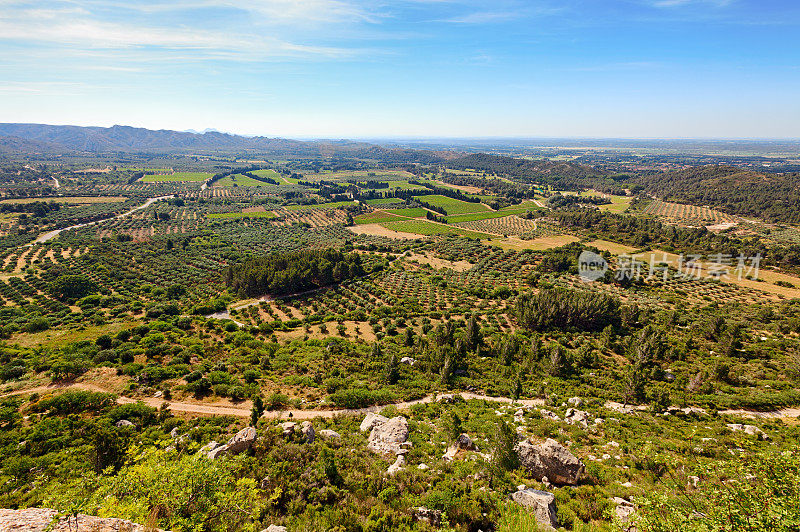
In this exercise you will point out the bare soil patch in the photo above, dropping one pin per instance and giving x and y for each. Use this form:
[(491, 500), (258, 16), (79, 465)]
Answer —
[(379, 230)]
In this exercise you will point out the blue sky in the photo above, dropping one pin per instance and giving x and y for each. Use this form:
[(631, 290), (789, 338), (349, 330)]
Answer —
[(420, 68)]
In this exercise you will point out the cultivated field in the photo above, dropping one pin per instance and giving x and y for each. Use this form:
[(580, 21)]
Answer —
[(691, 215), (451, 205), (176, 177)]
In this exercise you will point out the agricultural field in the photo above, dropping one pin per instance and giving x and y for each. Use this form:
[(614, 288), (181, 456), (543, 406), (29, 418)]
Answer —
[(689, 214), (196, 314), (453, 206), (229, 215), (421, 227), (240, 180), (75, 200), (176, 177)]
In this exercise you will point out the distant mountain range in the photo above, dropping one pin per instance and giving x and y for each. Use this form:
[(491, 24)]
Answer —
[(50, 139)]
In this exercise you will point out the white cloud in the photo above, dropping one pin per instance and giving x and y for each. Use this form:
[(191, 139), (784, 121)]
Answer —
[(74, 28), (679, 3), (484, 17)]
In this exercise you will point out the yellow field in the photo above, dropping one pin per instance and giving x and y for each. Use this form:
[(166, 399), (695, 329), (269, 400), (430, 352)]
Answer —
[(539, 244), (612, 247)]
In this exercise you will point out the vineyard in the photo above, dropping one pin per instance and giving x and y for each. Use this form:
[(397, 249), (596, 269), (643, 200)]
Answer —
[(690, 215)]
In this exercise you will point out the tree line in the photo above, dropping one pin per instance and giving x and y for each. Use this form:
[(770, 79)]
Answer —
[(292, 272)]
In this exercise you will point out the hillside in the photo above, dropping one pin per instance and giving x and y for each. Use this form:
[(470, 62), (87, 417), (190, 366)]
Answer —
[(16, 138), (563, 175), (773, 197)]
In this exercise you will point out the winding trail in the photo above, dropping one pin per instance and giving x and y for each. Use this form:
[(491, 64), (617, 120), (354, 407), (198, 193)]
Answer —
[(52, 234), (244, 409)]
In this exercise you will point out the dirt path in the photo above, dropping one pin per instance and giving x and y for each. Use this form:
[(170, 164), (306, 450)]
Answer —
[(52, 234), (244, 409)]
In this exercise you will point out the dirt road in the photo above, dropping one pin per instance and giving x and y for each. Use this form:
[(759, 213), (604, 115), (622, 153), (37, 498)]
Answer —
[(243, 410)]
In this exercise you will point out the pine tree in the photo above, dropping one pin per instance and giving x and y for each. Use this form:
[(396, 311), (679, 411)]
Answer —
[(257, 411)]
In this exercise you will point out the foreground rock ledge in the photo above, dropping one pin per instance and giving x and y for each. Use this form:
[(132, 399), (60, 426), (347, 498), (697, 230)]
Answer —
[(40, 519)]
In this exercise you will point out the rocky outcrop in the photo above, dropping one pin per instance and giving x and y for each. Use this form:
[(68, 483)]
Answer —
[(307, 430), (752, 430), (329, 434), (288, 427), (274, 528), (240, 442), (389, 437), (462, 443), (207, 448), (623, 512), (40, 519), (428, 515), (124, 423), (577, 417), (371, 421), (398, 464), (550, 459), (541, 503)]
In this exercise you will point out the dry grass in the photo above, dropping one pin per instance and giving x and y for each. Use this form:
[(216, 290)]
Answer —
[(379, 230), (364, 331), (538, 244), (57, 337), (612, 247), (437, 263)]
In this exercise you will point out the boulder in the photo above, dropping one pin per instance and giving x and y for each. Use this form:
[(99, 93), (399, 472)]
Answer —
[(275, 528), (398, 464), (124, 423), (288, 427), (577, 417), (307, 429), (427, 515), (408, 361), (371, 421), (241, 441), (623, 511), (542, 504), (207, 448), (575, 401), (40, 519), (620, 408), (388, 437), (752, 430), (462, 443), (329, 434), (174, 433), (550, 415), (550, 459)]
